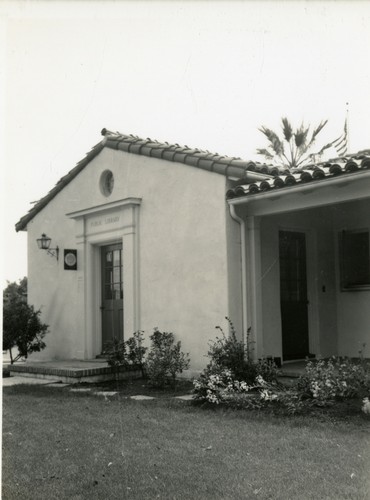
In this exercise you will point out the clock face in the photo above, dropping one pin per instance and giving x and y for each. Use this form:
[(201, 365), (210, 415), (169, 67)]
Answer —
[(70, 259)]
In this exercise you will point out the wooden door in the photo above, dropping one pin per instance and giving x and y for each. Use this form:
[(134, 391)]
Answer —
[(112, 294), (293, 294)]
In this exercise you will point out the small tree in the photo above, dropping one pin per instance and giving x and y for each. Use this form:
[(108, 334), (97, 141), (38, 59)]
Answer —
[(293, 150), (22, 327)]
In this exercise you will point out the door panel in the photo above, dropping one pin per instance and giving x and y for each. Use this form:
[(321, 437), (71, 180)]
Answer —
[(112, 294), (293, 294)]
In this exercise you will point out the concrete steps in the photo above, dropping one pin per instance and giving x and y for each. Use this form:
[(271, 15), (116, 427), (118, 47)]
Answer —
[(72, 372)]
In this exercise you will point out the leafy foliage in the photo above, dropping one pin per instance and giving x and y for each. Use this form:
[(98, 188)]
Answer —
[(22, 326), (128, 353), (335, 378), (16, 291), (163, 362), (292, 151), (232, 375), (116, 351), (165, 359), (323, 383), (227, 352)]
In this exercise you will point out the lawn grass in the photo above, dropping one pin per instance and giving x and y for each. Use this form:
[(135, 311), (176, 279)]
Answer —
[(142, 386), (66, 445)]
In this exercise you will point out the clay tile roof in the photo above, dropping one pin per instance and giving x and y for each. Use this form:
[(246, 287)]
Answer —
[(253, 178), (358, 162), (228, 166), (205, 160)]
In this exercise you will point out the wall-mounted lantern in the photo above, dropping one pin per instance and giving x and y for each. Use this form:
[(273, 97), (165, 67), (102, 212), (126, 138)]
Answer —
[(44, 244)]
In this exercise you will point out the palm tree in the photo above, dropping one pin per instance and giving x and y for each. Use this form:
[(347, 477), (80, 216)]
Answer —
[(292, 151)]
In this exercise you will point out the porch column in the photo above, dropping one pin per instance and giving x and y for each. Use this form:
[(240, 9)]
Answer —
[(254, 284)]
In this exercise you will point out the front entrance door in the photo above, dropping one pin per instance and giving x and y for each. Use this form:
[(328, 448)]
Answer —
[(112, 294), (293, 294)]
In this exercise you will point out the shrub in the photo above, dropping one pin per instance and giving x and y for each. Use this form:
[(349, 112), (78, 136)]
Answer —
[(165, 359), (135, 349), (116, 351), (22, 326), (128, 353)]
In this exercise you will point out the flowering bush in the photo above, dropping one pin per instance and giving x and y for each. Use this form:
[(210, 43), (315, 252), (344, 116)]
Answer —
[(335, 378), (227, 352), (366, 406), (324, 382), (216, 386), (223, 388), (232, 376)]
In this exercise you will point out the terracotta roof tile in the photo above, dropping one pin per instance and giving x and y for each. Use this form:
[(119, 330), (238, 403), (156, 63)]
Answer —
[(359, 162)]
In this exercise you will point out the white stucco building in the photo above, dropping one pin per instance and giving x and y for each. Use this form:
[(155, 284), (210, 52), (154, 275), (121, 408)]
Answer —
[(158, 235)]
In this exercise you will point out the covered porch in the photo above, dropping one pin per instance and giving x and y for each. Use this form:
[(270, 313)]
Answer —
[(306, 268)]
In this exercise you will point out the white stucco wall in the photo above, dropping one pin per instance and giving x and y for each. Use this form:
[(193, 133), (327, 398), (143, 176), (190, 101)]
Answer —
[(55, 291), (353, 307), (182, 254)]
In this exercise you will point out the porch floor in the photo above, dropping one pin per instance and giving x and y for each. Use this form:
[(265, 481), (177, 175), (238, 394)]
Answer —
[(70, 371)]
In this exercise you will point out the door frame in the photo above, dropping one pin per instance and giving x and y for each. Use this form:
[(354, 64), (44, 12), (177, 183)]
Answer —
[(114, 222), (94, 293), (312, 295)]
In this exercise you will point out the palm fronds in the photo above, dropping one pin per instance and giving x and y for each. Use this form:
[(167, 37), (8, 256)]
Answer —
[(276, 144), (287, 129), (300, 136), (317, 130), (266, 153), (296, 144)]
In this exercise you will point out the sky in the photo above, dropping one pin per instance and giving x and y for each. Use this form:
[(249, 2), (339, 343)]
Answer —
[(205, 74)]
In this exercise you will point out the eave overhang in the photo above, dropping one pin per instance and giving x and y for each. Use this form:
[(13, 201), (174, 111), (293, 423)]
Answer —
[(355, 186)]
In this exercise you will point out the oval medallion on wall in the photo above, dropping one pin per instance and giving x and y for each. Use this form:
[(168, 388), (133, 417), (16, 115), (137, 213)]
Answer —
[(106, 182), (70, 260)]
